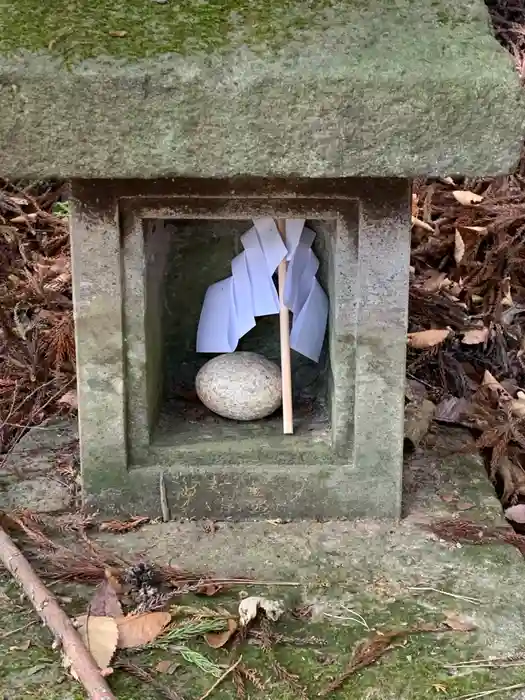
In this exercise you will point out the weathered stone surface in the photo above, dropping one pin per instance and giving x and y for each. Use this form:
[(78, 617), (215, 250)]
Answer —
[(327, 89), (346, 464), (240, 386), (41, 494)]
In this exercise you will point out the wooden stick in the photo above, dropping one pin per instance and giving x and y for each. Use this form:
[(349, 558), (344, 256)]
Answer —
[(47, 607), (284, 328), (220, 680)]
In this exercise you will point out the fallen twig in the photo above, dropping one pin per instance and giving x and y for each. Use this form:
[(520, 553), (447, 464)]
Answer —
[(18, 629), (229, 670), (486, 693), (47, 607), (438, 590)]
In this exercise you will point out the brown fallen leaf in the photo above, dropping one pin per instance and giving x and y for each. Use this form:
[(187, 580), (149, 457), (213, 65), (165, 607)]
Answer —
[(434, 281), (100, 635), (476, 229), (105, 602), (216, 640), (452, 410), (459, 247), (120, 33), (137, 630), (449, 497), (422, 224), (112, 577), (516, 513), (463, 505), (517, 405), (498, 392), (458, 622), (167, 666), (23, 218), (476, 336), (466, 197), (427, 339), (506, 296), (414, 204), (69, 399)]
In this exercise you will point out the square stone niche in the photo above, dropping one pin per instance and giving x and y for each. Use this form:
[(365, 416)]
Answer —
[(144, 254)]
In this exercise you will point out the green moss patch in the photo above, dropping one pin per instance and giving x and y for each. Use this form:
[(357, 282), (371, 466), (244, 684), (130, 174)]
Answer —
[(131, 29)]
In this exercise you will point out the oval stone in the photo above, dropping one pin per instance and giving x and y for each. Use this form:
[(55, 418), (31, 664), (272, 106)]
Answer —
[(240, 385)]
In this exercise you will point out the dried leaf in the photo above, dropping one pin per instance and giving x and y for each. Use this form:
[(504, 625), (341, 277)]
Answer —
[(495, 388), (449, 497), (459, 623), (105, 602), (100, 635), (23, 218), (414, 204), (463, 505), (166, 666), (216, 640), (19, 201), (517, 406), (475, 336), (422, 224), (427, 339), (477, 229), (69, 399), (452, 410), (118, 33), (506, 299), (137, 630), (459, 247), (516, 513), (249, 607), (466, 197), (434, 281)]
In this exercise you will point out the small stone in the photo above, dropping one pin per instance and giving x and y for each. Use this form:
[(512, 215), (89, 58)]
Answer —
[(41, 495), (240, 386)]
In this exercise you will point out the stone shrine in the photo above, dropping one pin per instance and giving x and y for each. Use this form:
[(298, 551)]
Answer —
[(179, 123)]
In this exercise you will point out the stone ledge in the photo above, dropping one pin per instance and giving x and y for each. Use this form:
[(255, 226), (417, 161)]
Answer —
[(329, 103)]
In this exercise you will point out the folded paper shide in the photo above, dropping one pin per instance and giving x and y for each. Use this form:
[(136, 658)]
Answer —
[(231, 305)]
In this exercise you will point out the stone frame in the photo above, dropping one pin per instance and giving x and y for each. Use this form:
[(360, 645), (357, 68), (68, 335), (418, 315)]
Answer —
[(121, 473)]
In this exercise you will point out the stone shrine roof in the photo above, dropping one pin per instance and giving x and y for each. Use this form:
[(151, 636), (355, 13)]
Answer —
[(217, 88)]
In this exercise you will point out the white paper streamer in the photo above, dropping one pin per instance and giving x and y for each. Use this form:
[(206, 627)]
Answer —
[(231, 305)]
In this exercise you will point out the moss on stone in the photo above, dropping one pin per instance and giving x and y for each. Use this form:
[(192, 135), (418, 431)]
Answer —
[(87, 28)]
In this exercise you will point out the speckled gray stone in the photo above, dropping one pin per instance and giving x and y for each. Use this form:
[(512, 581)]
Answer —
[(240, 386), (322, 89), (42, 494)]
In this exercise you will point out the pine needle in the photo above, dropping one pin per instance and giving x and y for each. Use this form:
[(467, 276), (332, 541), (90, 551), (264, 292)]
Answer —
[(189, 630), (199, 660)]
